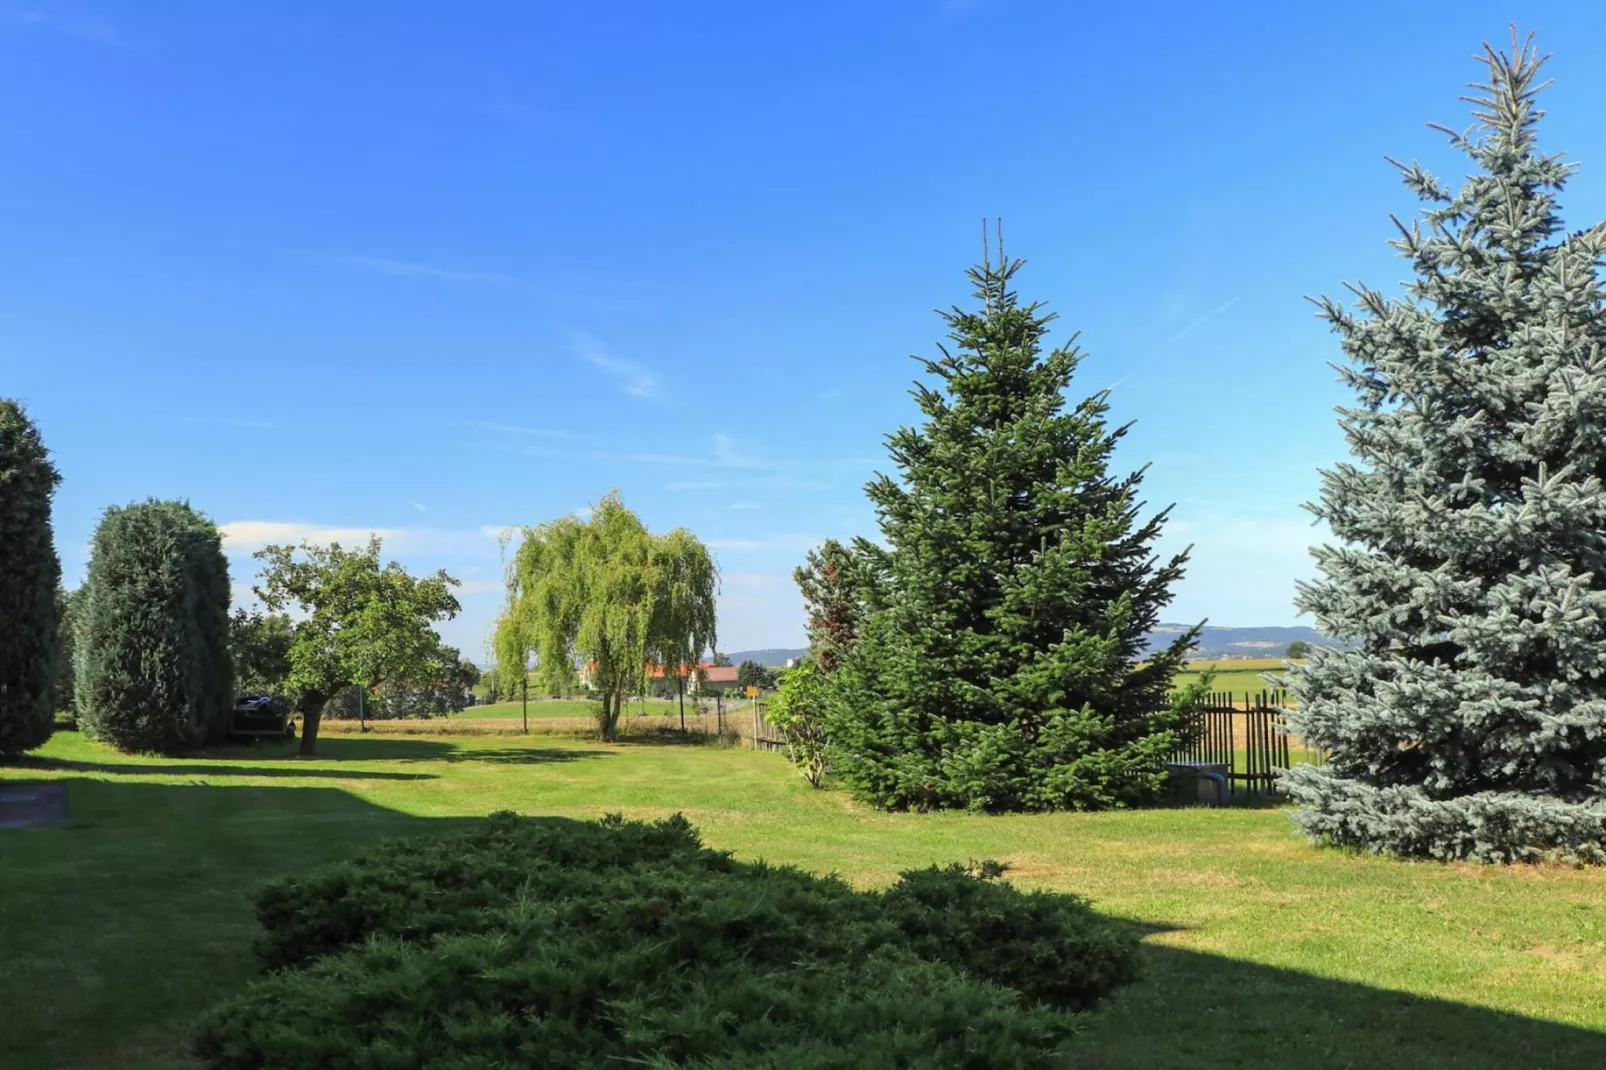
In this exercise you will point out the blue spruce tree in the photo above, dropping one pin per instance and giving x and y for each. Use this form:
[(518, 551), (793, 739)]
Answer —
[(1469, 718), (1003, 664)]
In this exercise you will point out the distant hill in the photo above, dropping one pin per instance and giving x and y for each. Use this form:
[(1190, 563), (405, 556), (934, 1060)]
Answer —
[(1213, 643), (772, 657), (1240, 642)]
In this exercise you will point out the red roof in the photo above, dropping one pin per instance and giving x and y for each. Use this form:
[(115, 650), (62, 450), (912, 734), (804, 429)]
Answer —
[(657, 672), (720, 674)]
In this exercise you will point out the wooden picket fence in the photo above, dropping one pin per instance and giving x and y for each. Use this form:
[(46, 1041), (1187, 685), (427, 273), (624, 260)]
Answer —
[(1250, 736)]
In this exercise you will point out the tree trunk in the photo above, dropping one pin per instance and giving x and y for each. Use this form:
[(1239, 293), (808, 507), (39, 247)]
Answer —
[(680, 683), (609, 721), (311, 717)]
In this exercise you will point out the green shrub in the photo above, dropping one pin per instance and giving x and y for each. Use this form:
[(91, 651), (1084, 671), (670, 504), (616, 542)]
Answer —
[(564, 944), (29, 575), (799, 713), (152, 644)]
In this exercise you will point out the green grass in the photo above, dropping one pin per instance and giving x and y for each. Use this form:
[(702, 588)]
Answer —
[(573, 708), (1241, 678), (1263, 951)]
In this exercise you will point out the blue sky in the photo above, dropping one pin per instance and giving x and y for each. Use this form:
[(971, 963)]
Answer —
[(431, 270)]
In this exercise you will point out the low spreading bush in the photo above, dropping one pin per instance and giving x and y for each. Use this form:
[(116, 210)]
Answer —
[(550, 943)]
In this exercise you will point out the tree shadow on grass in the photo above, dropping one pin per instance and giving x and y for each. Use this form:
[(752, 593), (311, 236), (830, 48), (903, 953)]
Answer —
[(272, 768), (1194, 1009), (139, 914), (527, 755), (667, 737)]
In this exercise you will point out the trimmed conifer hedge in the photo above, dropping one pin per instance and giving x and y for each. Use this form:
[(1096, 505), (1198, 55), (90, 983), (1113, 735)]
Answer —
[(29, 575), (555, 943), (153, 671)]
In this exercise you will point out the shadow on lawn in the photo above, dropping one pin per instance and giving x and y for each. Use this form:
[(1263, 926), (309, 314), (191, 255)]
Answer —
[(1195, 1009), (343, 748), (140, 914), (202, 767)]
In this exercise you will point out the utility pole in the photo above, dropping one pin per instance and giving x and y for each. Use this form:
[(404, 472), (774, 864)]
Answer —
[(524, 695), (681, 685)]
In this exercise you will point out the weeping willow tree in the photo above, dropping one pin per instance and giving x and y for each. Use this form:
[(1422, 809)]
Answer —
[(606, 593)]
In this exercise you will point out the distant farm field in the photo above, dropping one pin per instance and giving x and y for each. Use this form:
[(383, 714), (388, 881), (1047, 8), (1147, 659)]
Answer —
[(1242, 678)]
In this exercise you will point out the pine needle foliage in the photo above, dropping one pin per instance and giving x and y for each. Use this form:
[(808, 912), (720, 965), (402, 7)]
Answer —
[(608, 594), (830, 584), (1005, 667), (1468, 720), (29, 576), (153, 671)]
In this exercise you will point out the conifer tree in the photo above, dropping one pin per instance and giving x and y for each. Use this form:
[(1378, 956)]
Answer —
[(152, 646), (830, 588), (1468, 718), (29, 575), (1004, 665)]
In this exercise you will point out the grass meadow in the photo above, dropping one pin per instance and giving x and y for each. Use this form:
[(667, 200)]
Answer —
[(1262, 951)]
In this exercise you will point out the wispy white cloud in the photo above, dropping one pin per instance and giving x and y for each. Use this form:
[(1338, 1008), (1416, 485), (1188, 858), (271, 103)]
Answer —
[(86, 27), (1200, 321), (245, 536), (407, 269), (421, 507), (633, 377), (744, 505), (726, 454), (655, 458), (248, 536), (742, 582), (694, 484)]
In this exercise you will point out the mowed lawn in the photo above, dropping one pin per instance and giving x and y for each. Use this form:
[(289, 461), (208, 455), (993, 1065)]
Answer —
[(575, 708), (117, 930)]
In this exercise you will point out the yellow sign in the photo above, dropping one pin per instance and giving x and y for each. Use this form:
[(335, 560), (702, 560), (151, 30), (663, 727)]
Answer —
[(753, 691)]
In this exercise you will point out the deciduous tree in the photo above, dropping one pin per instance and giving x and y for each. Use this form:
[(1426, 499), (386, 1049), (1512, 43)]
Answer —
[(361, 623), (606, 592), (800, 713), (261, 643)]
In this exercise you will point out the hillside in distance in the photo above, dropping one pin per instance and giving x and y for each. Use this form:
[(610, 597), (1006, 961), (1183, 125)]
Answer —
[(1267, 642), (771, 656)]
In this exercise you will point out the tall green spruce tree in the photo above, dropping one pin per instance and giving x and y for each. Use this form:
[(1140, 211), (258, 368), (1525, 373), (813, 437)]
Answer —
[(1003, 667), (154, 671), (1468, 720), (29, 575)]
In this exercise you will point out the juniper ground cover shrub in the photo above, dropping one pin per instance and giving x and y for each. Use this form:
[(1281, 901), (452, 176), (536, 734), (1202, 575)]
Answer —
[(561, 944)]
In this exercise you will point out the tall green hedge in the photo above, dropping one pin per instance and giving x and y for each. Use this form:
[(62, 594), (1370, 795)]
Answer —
[(29, 574), (152, 652)]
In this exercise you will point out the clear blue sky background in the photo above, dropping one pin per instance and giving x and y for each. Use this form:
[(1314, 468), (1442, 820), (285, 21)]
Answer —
[(434, 269)]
